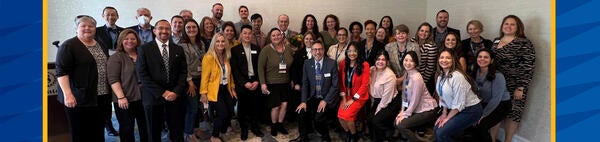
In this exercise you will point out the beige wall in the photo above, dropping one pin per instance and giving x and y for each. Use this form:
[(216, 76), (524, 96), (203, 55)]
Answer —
[(535, 14)]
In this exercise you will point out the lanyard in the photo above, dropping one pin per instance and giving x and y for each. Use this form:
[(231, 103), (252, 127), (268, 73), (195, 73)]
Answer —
[(280, 54), (401, 54), (337, 52), (440, 86), (349, 76)]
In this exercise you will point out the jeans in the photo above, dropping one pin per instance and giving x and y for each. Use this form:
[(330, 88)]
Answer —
[(191, 111), (461, 121)]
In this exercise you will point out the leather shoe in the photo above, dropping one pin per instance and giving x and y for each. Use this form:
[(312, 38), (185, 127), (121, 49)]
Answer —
[(300, 139), (257, 132)]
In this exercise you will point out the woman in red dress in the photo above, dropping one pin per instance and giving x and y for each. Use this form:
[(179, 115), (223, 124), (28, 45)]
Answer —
[(354, 89)]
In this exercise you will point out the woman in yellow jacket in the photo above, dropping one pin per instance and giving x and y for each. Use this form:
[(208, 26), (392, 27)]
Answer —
[(217, 85)]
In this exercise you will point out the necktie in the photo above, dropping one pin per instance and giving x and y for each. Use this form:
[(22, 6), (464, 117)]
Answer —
[(165, 56), (284, 36), (318, 80)]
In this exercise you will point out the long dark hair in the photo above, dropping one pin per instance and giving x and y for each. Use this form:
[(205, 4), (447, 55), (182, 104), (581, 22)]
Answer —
[(413, 55), (454, 67), (389, 30), (491, 73), (359, 59), (458, 49), (304, 29)]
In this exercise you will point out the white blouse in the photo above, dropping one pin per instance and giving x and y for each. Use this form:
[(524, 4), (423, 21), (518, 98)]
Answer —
[(455, 92)]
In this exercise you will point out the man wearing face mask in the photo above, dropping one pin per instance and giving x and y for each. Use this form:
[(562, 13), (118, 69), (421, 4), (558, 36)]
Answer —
[(144, 29), (217, 11)]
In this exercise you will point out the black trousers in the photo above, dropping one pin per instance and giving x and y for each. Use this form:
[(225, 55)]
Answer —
[(85, 123), (105, 105), (481, 130), (174, 117), (222, 110), (382, 123), (249, 107), (127, 119), (321, 119)]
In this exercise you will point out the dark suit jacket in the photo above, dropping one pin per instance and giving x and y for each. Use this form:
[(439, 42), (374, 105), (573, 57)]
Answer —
[(103, 35), (377, 46), (329, 88), (151, 72), (239, 64), (297, 65), (74, 59)]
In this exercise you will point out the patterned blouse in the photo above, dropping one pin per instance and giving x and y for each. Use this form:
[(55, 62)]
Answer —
[(101, 60)]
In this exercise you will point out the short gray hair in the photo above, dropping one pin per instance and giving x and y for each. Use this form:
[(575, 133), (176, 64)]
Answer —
[(84, 18)]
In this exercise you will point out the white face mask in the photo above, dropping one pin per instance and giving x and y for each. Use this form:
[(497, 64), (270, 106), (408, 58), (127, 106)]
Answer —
[(143, 20)]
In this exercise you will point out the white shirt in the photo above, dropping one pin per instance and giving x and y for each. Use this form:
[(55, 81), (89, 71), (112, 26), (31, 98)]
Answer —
[(160, 46), (455, 92), (248, 52)]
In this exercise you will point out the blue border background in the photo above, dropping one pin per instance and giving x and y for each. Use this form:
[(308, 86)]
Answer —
[(577, 82), (21, 70), (576, 51)]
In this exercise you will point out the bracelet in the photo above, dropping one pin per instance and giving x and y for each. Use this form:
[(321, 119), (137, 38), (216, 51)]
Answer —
[(121, 98)]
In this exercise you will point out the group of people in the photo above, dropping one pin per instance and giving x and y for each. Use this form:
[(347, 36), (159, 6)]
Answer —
[(334, 79)]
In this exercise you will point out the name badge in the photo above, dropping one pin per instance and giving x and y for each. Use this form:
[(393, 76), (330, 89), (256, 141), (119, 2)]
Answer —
[(282, 68), (327, 75), (253, 52), (199, 68), (405, 104)]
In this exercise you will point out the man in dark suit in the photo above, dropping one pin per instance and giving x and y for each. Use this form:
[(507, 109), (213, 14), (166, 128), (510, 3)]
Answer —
[(244, 66), (319, 94), (107, 35), (162, 69), (143, 28), (442, 29)]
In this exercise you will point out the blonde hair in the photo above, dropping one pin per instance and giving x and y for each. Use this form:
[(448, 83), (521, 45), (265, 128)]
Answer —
[(213, 52)]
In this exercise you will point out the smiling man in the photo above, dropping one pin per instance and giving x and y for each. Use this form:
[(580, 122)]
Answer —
[(162, 69), (442, 29)]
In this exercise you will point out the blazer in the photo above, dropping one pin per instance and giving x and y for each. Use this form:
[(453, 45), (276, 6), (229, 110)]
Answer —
[(329, 88), (377, 46), (74, 59), (151, 71), (211, 77), (395, 61), (239, 64), (297, 65), (103, 35), (360, 84)]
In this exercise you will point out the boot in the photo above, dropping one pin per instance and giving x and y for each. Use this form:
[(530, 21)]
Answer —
[(282, 129), (274, 129)]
